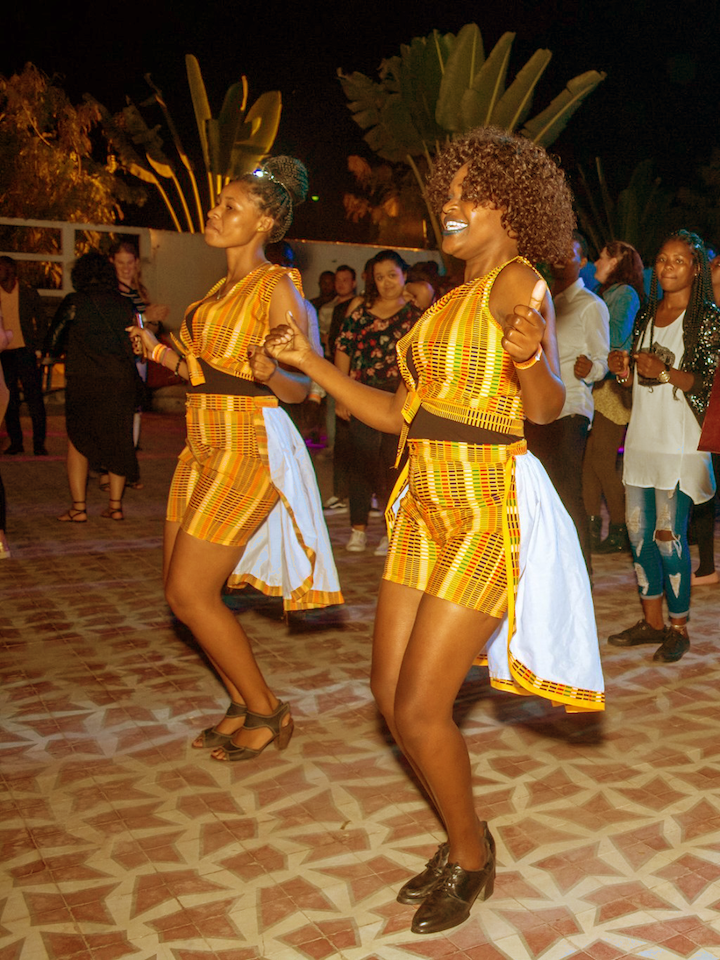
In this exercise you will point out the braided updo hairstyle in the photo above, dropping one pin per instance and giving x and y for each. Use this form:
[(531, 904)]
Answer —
[(278, 185)]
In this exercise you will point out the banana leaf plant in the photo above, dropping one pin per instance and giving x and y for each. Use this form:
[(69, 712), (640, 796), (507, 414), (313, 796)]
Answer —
[(444, 85), (235, 143), (638, 215), (232, 144)]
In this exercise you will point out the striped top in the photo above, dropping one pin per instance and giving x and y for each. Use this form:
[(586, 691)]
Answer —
[(220, 331), (454, 366)]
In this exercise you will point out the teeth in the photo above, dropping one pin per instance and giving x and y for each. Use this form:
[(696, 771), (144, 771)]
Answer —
[(453, 226)]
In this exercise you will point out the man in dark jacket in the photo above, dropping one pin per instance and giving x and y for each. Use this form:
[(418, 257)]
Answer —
[(23, 313)]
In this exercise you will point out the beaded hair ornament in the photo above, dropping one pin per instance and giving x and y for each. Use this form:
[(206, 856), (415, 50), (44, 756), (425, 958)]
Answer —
[(262, 173)]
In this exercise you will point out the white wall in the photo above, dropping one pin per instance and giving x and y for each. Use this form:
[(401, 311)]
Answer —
[(179, 268), (183, 268)]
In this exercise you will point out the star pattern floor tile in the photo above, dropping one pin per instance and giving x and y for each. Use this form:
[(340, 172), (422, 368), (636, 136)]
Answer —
[(118, 840)]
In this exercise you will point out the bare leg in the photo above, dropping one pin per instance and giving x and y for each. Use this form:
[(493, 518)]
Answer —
[(117, 486), (77, 471), (653, 612), (77, 468), (227, 724), (441, 645), (195, 577), (396, 611)]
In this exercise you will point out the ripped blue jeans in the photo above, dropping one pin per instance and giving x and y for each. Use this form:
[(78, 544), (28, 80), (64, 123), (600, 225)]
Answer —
[(661, 566)]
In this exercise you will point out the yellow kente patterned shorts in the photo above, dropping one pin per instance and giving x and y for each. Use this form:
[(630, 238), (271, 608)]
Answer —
[(221, 490), (448, 537)]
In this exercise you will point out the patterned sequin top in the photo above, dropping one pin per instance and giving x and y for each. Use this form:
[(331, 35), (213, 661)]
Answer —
[(701, 356), (454, 366)]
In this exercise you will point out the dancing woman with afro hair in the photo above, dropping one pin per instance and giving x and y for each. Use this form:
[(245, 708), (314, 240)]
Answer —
[(482, 556)]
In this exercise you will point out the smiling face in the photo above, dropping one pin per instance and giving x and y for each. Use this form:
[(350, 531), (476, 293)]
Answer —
[(389, 279), (468, 228), (237, 219), (604, 266), (126, 267), (675, 267)]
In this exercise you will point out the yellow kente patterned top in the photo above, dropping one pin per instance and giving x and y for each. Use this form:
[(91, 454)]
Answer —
[(220, 331), (462, 371)]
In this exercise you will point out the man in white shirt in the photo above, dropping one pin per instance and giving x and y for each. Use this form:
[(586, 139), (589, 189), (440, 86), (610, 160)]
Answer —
[(583, 336)]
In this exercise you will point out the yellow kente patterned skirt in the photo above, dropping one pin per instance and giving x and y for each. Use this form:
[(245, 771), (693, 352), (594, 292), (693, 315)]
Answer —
[(221, 490), (453, 525)]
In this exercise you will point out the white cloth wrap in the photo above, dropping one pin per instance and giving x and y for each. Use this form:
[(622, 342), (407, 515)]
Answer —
[(556, 635), (273, 554)]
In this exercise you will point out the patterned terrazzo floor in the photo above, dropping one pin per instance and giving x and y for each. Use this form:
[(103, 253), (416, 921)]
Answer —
[(118, 840)]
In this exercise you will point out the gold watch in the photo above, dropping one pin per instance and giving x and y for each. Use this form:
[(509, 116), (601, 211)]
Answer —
[(664, 376)]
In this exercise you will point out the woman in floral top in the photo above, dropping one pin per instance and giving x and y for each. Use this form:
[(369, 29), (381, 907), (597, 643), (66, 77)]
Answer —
[(365, 351)]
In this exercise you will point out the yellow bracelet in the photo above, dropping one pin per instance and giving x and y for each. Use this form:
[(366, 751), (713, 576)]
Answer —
[(526, 364), (158, 353)]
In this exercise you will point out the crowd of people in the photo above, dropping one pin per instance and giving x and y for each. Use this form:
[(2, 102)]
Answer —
[(485, 418)]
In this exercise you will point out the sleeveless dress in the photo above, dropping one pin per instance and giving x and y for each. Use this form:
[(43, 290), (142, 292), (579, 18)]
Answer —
[(480, 524), (245, 476)]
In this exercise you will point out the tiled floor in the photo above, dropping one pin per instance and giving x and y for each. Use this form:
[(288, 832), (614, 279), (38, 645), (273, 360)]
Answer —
[(119, 840)]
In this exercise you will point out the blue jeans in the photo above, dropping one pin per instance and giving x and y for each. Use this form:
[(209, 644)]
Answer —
[(661, 566)]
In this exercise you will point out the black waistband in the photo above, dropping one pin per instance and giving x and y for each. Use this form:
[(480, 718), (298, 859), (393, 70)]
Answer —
[(216, 381), (429, 426)]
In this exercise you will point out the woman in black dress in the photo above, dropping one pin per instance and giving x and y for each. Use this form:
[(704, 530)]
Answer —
[(102, 383)]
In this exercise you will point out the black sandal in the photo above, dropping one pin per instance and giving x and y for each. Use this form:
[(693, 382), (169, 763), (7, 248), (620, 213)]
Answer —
[(75, 514), (253, 721), (212, 737), (113, 513)]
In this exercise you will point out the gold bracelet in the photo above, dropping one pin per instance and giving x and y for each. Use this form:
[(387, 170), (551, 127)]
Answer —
[(526, 364), (622, 380)]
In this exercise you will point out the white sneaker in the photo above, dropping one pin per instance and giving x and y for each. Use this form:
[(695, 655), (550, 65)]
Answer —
[(382, 548), (334, 505), (357, 541)]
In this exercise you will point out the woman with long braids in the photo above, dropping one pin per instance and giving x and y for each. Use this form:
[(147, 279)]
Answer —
[(675, 350), (482, 556), (619, 271), (243, 502)]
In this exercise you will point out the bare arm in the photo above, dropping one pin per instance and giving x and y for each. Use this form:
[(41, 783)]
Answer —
[(284, 383), (5, 338), (377, 408), (526, 329), (649, 365), (342, 362)]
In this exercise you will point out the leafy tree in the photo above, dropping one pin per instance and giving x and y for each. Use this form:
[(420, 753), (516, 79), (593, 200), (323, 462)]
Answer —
[(640, 214), (50, 165), (385, 197), (232, 144), (697, 205), (442, 85)]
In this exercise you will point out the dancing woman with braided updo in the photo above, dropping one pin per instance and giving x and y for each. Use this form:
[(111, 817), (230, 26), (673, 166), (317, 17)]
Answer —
[(243, 504), (482, 559), (670, 368)]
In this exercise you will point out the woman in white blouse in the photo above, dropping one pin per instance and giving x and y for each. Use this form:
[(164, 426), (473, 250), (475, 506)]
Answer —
[(676, 343)]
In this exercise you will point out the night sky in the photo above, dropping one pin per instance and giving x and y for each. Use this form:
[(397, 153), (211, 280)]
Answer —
[(660, 98)]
